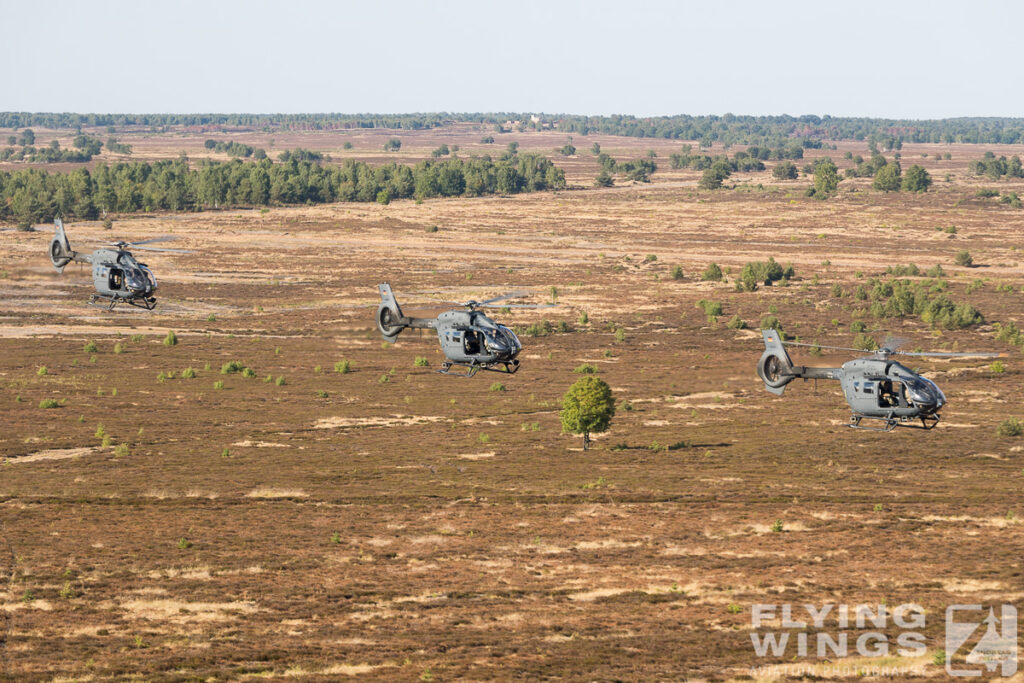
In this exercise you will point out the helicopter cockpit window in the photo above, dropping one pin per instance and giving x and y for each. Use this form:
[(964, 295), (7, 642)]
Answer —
[(471, 342)]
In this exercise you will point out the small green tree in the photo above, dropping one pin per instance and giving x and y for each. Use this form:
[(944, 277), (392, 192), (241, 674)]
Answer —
[(587, 407), (964, 258), (917, 179), (888, 178), (604, 179), (393, 145), (826, 178)]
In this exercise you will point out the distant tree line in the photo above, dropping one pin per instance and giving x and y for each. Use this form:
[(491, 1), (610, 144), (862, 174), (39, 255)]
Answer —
[(32, 195), (728, 129)]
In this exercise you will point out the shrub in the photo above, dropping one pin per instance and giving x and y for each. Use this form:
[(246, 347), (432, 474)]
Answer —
[(49, 403), (736, 323), (677, 273), (231, 367), (421, 362), (712, 273), (90, 347), (963, 258), (211, 318), (497, 386), (171, 339), (121, 450), (997, 367), (710, 308), (184, 544), (777, 526), (584, 318), (585, 369), (118, 349), (917, 179), (248, 373), (858, 326), (865, 342), (41, 371), (218, 385), (321, 394), (620, 335), (541, 329), (188, 373), (136, 338), (343, 367), (785, 171), (604, 179), (431, 228), (770, 322), (280, 381), (1010, 427)]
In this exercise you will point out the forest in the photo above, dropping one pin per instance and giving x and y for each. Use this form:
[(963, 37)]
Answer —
[(32, 196)]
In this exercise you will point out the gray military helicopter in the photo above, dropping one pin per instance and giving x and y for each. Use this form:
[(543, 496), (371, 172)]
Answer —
[(117, 276), (875, 386), (468, 338)]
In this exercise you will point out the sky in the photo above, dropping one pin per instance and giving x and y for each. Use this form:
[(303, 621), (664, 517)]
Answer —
[(894, 59)]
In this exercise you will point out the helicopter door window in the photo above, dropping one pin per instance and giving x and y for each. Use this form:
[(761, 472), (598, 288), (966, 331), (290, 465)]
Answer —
[(869, 388), (471, 342), (115, 279), (888, 394)]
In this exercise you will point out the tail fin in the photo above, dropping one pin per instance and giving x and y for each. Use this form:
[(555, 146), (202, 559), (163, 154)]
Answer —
[(775, 367), (60, 249), (390, 320)]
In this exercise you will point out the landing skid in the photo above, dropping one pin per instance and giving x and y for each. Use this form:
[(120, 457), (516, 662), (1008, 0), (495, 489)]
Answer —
[(473, 368), (890, 423), (108, 302)]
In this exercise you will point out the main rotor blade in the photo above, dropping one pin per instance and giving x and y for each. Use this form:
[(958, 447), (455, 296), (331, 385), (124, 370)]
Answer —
[(510, 295), (165, 238), (821, 346), (133, 247), (944, 354)]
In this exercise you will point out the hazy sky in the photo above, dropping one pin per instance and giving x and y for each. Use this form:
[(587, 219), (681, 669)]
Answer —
[(909, 59)]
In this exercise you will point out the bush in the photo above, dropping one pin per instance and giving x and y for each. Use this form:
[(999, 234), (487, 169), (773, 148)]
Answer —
[(677, 273), (712, 273), (1010, 427), (736, 323), (218, 385), (343, 367), (826, 178), (90, 347), (865, 342), (997, 367), (280, 381), (49, 403), (188, 373), (585, 369), (248, 373), (497, 386), (963, 258), (785, 171), (888, 178), (231, 367), (770, 322), (604, 179), (171, 339), (421, 362), (41, 371), (710, 307)]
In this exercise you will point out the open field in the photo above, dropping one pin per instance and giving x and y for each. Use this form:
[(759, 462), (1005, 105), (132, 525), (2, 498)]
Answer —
[(409, 525)]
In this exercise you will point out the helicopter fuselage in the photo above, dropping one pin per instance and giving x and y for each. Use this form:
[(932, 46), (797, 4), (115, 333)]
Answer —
[(116, 274), (875, 387), (470, 337)]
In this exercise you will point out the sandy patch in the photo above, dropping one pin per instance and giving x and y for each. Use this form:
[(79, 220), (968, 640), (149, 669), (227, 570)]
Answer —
[(55, 454), (393, 421), (180, 611), (266, 492)]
